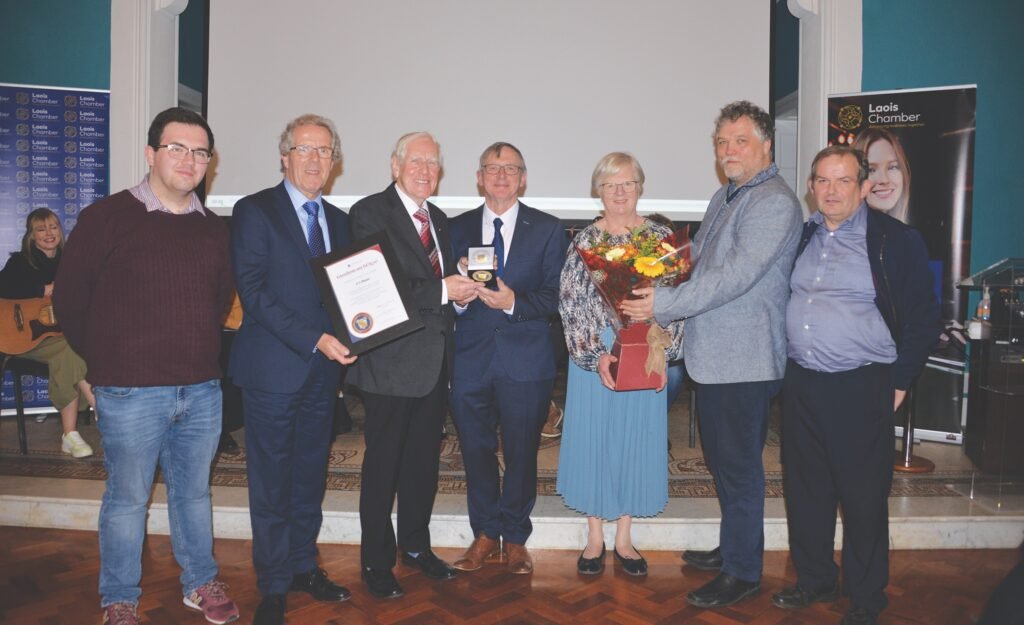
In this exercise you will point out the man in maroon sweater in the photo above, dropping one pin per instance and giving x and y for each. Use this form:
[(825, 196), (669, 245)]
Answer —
[(143, 286)]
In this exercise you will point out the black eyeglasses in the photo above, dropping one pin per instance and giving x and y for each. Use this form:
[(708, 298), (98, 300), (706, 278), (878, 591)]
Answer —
[(510, 170), (178, 152)]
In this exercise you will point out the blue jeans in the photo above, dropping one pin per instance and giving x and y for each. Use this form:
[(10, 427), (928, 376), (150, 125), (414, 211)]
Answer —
[(177, 427)]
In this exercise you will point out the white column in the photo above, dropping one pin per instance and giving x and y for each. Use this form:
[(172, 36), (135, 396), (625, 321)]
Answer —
[(143, 79), (830, 63)]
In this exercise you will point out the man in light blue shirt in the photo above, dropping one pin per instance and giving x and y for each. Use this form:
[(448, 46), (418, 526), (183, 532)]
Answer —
[(860, 322)]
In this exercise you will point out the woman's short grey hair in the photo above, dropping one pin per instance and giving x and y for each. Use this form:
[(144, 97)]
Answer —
[(403, 144), (610, 165), (287, 141)]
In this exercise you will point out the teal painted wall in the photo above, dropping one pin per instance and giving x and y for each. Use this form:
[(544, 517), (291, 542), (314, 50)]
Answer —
[(55, 43), (785, 51), (192, 45), (929, 43)]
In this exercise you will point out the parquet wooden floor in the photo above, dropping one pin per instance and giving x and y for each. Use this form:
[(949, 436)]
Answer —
[(49, 577)]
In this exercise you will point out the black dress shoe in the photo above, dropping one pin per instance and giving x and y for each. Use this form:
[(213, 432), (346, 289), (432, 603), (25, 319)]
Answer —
[(270, 611), (426, 561), (704, 560), (859, 616), (316, 584), (591, 566), (633, 567), (795, 598), (722, 591), (382, 583)]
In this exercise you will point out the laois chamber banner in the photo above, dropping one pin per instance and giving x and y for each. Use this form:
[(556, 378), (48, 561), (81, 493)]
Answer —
[(920, 149), (54, 153)]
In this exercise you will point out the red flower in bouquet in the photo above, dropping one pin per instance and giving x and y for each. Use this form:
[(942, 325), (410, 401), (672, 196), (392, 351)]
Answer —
[(644, 260)]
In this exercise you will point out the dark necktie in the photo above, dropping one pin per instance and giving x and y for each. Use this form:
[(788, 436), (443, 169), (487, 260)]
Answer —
[(427, 239), (313, 230), (499, 246)]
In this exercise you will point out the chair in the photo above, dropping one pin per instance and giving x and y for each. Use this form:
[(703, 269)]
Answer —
[(19, 367)]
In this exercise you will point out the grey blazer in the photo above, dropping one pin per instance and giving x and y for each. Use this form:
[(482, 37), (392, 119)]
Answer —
[(735, 302)]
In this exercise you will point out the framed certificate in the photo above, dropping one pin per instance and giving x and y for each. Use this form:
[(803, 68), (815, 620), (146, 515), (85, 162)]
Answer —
[(366, 293)]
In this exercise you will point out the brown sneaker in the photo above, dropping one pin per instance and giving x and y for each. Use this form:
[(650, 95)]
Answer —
[(553, 426), (519, 560), (120, 614), (483, 548)]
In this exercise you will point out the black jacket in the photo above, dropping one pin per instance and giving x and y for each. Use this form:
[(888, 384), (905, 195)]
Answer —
[(20, 280)]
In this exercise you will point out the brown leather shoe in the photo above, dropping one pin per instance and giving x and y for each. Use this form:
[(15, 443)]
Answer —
[(553, 425), (519, 560), (482, 549)]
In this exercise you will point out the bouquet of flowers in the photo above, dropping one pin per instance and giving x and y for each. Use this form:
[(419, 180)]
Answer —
[(616, 269)]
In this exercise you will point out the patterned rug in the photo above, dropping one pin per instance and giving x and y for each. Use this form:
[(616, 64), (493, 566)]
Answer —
[(688, 475)]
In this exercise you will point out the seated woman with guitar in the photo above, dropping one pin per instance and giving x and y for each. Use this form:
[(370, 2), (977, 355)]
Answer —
[(33, 333)]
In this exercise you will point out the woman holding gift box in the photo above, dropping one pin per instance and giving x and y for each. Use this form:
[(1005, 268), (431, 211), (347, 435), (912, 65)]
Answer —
[(613, 459)]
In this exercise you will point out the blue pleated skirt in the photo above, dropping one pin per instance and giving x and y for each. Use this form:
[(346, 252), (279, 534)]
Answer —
[(613, 459)]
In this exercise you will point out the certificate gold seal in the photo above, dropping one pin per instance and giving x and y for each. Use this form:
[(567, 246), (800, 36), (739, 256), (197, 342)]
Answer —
[(362, 323)]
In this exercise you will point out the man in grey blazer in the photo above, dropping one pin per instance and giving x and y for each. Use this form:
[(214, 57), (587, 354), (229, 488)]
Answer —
[(735, 345)]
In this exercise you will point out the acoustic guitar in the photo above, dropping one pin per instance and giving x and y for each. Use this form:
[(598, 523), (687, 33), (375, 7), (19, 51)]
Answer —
[(24, 323)]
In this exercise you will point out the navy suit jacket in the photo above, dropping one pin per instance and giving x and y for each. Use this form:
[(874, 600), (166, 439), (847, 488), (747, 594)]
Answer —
[(409, 366), (521, 340), (283, 316)]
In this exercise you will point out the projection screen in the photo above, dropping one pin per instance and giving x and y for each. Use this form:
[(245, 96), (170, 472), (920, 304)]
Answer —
[(566, 81)]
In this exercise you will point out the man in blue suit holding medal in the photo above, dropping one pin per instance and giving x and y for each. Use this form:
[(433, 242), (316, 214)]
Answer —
[(504, 358)]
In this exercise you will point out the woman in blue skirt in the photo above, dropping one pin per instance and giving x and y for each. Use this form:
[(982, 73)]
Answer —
[(613, 463)]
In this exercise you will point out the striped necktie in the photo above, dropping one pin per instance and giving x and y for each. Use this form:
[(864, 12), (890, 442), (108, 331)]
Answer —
[(427, 239)]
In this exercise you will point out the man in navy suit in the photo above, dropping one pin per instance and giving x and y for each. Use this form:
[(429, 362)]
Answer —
[(404, 383), (504, 358), (288, 363)]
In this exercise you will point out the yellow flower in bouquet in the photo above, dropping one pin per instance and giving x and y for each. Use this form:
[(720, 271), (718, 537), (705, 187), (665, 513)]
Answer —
[(649, 266), (645, 259), (645, 254)]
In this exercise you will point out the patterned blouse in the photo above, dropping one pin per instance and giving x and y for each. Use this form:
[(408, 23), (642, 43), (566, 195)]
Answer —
[(584, 313)]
